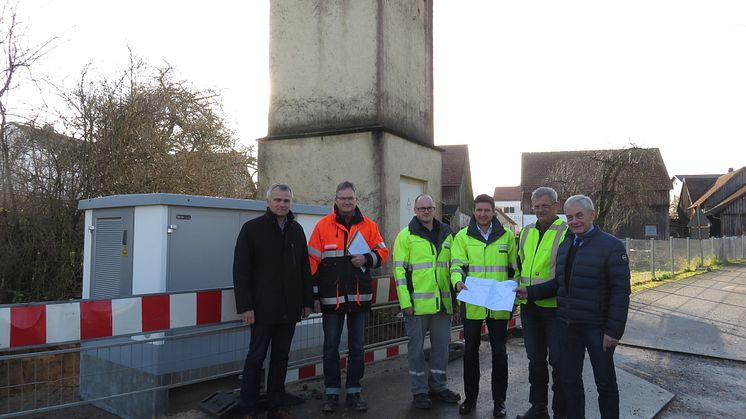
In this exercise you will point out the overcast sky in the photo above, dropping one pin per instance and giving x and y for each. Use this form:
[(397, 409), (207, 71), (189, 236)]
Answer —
[(510, 76)]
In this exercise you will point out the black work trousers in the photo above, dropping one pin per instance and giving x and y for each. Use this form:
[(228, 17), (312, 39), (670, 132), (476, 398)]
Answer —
[(541, 339), (498, 331), (574, 340), (262, 335)]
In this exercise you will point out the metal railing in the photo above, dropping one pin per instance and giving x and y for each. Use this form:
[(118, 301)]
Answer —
[(120, 372)]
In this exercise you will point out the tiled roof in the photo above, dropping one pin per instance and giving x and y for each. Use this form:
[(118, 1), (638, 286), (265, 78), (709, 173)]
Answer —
[(507, 193), (454, 162), (536, 167), (719, 183), (698, 184)]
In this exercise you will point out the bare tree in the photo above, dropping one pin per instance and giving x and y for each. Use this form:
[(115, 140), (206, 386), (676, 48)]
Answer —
[(617, 181), (16, 60)]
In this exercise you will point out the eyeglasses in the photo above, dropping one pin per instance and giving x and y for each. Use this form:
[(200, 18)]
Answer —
[(424, 209), (345, 198)]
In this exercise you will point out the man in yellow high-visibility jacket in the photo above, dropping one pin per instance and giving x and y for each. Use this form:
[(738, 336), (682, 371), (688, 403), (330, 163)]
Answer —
[(485, 250), (537, 258), (422, 256)]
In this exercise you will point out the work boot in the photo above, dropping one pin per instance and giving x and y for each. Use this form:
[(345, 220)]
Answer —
[(499, 410), (355, 401), (446, 395), (330, 404), (467, 407), (279, 414), (421, 401), (535, 412)]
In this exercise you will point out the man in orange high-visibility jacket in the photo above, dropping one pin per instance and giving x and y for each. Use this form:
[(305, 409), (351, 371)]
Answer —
[(342, 287)]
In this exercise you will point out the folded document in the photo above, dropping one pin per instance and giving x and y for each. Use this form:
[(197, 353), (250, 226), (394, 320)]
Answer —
[(495, 295)]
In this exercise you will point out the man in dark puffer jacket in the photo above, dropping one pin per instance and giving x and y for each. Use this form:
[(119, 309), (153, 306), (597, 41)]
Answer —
[(592, 288)]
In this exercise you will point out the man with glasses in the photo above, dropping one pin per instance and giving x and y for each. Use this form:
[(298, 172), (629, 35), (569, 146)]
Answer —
[(344, 246), (592, 289), (422, 254), (537, 259)]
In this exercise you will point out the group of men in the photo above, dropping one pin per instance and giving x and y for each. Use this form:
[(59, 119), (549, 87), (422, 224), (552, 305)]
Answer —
[(279, 279)]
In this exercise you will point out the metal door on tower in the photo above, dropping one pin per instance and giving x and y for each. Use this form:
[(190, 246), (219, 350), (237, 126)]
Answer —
[(409, 189)]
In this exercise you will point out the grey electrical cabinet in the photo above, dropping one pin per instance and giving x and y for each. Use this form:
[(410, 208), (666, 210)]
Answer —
[(164, 243), (155, 243)]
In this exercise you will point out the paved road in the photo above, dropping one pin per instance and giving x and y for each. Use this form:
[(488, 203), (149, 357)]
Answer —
[(704, 315)]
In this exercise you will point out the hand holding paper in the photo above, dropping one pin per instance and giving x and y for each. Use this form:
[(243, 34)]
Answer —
[(494, 295)]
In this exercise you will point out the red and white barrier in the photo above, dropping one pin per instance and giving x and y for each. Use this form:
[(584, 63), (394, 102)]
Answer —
[(61, 322)]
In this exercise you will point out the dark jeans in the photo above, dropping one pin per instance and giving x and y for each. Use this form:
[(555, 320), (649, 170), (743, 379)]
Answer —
[(539, 334), (498, 330), (575, 339), (333, 324), (280, 336)]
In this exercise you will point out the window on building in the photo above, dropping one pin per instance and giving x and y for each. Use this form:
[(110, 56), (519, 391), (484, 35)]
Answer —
[(509, 210)]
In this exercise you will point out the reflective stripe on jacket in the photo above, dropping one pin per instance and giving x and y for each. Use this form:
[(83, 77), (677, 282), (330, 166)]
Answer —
[(539, 258), (338, 285), (421, 269), (494, 258)]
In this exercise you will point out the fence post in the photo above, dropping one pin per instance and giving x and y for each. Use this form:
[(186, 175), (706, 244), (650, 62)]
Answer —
[(712, 249), (652, 257), (688, 254), (670, 252), (626, 245)]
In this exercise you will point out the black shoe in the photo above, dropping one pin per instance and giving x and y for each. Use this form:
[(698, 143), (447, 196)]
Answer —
[(356, 402), (330, 404), (499, 410), (535, 412), (466, 407), (421, 401), (446, 395), (279, 414)]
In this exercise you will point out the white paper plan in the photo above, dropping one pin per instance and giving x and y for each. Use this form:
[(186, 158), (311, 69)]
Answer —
[(358, 245), (495, 295)]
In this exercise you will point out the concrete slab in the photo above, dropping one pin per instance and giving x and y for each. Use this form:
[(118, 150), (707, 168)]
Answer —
[(703, 315), (386, 387)]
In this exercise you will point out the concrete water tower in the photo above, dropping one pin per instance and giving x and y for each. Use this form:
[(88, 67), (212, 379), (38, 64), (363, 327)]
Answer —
[(352, 99)]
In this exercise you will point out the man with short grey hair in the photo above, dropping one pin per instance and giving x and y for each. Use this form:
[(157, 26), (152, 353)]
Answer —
[(273, 290), (592, 288), (537, 257)]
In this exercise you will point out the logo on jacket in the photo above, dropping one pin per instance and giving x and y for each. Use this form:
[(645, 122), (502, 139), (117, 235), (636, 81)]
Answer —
[(624, 258)]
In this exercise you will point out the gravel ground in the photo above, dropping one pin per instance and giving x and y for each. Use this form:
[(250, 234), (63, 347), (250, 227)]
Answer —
[(702, 387)]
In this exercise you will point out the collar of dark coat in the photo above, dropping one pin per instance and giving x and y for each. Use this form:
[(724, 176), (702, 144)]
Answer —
[(272, 218), (497, 230), (417, 229), (357, 217), (585, 237)]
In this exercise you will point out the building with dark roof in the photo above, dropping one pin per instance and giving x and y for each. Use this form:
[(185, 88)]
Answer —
[(724, 204), (456, 190), (630, 187), (687, 189)]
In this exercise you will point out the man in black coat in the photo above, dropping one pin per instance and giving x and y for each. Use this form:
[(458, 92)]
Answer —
[(592, 288), (273, 289)]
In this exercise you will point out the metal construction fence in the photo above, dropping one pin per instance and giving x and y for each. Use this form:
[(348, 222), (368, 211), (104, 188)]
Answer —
[(130, 374), (662, 257), (135, 370)]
